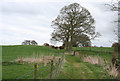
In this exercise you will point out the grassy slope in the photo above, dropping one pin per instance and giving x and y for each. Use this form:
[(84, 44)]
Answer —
[(109, 49), (97, 51), (74, 68), (10, 53)]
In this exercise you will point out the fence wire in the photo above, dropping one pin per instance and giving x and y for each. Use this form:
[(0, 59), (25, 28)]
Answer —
[(57, 68), (42, 72), (29, 73)]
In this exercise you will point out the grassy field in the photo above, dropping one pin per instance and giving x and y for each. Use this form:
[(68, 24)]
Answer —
[(10, 53), (101, 49), (74, 67)]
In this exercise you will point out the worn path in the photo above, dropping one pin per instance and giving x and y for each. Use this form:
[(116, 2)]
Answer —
[(74, 68)]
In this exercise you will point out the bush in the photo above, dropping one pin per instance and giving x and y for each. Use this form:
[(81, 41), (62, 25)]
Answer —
[(116, 47)]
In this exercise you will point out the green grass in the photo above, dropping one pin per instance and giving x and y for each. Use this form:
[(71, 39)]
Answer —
[(10, 53), (102, 49), (74, 67)]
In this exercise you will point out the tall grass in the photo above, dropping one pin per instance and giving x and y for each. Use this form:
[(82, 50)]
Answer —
[(113, 71), (38, 59), (94, 60), (26, 53)]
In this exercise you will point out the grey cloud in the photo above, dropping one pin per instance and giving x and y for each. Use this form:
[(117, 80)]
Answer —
[(21, 17)]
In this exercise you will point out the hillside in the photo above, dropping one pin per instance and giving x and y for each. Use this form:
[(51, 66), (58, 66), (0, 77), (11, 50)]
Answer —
[(73, 68)]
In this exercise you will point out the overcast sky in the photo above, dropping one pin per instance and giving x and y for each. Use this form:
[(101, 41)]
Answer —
[(31, 20)]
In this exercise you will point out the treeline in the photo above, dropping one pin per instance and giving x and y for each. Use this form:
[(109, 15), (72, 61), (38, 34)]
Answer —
[(55, 47)]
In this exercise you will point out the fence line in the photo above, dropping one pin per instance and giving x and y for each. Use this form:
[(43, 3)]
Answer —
[(29, 72), (110, 52), (42, 72), (55, 66)]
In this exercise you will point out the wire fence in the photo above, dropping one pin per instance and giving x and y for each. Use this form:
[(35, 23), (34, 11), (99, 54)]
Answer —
[(96, 51), (51, 71)]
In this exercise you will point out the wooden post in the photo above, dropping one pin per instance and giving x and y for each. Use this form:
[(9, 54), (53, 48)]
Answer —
[(51, 69), (59, 64), (43, 59), (74, 53), (63, 58), (57, 67), (59, 60), (35, 71), (53, 58)]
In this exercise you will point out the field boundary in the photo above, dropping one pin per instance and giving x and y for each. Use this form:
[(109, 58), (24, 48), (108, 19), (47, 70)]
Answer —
[(109, 52), (54, 68)]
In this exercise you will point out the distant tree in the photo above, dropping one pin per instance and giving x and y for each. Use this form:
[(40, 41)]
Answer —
[(46, 44), (23, 43), (116, 46), (33, 42), (72, 21), (29, 42), (26, 42)]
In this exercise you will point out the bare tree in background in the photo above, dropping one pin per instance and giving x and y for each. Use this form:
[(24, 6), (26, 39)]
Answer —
[(115, 6)]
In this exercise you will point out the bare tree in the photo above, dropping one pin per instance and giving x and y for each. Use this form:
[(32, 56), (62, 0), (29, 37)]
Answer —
[(116, 8), (72, 21)]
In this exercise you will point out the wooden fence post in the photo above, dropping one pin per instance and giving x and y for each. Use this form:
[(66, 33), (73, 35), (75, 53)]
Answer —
[(57, 67), (74, 53), (59, 64), (43, 59), (51, 69), (35, 71), (59, 61), (63, 57)]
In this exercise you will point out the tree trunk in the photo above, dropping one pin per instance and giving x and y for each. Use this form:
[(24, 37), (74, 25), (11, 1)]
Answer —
[(71, 41), (67, 47), (67, 44), (119, 42)]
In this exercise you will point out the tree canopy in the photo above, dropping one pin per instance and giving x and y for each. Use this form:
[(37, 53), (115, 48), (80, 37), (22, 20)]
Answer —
[(73, 25)]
